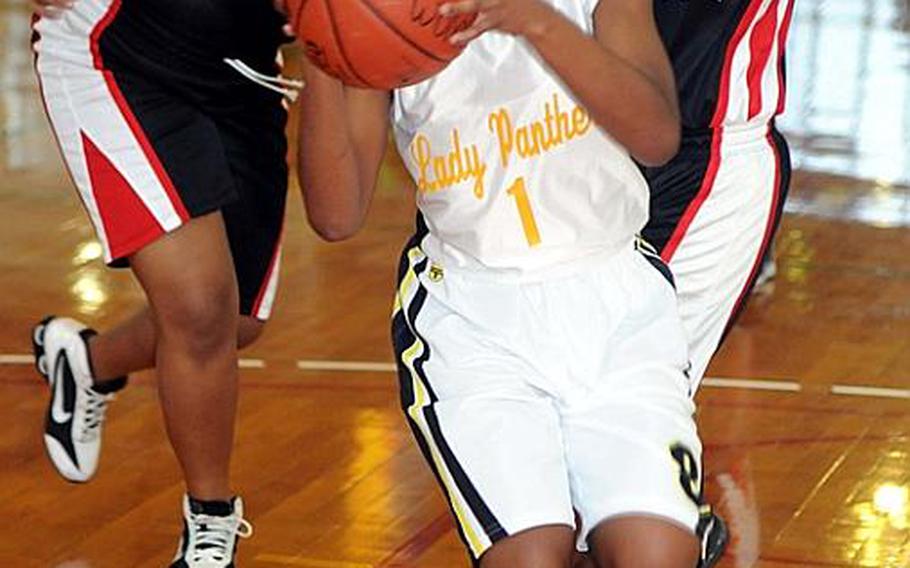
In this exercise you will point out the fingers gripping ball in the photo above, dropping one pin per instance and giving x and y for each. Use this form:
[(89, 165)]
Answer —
[(380, 44)]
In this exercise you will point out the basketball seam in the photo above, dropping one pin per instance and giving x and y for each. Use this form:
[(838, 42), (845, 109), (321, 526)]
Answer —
[(340, 44), (391, 26)]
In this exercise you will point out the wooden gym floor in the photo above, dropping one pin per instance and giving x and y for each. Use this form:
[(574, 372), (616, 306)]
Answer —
[(806, 419)]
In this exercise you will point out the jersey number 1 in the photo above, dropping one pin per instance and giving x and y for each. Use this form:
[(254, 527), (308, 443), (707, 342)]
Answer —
[(520, 193)]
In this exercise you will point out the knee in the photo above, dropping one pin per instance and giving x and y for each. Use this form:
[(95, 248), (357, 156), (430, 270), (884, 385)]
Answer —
[(248, 331), (543, 547), (656, 555), (203, 322), (642, 542), (530, 559)]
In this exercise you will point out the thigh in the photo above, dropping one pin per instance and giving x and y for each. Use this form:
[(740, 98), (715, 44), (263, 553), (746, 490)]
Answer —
[(631, 442), (256, 150), (188, 276), (639, 541), (492, 440), (541, 547)]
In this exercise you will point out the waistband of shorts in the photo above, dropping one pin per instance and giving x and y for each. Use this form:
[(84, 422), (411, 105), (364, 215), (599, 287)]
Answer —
[(443, 264)]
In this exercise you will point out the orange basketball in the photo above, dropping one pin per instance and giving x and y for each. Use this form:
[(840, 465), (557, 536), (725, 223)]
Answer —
[(380, 44)]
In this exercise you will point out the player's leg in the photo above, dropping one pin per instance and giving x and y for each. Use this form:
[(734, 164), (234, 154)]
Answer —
[(134, 153), (491, 439), (96, 366), (540, 547), (643, 542), (188, 276), (253, 146), (129, 347), (189, 280)]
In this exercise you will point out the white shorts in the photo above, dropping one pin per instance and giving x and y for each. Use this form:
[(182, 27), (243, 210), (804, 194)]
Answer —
[(714, 212), (534, 400)]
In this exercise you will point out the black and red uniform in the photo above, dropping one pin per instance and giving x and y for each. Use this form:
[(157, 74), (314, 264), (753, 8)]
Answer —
[(715, 207), (157, 129)]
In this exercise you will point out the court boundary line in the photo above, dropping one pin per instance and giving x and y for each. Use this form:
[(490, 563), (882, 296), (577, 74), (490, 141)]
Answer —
[(870, 391), (294, 560), (354, 366), (752, 384)]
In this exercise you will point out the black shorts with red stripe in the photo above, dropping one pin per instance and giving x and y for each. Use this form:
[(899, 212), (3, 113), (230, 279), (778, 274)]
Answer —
[(157, 129)]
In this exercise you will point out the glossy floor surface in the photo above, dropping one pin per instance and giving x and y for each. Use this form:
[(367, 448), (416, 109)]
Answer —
[(806, 420)]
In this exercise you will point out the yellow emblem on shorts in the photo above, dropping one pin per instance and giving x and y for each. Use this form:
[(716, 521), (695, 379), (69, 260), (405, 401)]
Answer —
[(436, 273)]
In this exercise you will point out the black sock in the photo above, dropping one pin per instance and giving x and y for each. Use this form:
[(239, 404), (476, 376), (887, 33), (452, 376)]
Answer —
[(109, 385), (106, 386), (212, 508)]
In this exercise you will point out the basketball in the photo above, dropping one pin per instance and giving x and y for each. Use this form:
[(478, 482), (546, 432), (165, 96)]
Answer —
[(379, 44)]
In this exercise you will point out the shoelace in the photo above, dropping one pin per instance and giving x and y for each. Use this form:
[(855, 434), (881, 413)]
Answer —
[(289, 88), (215, 536), (94, 406)]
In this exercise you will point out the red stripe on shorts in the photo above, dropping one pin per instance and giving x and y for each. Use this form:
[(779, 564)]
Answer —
[(760, 45), (692, 209), (782, 43), (125, 217), (723, 98)]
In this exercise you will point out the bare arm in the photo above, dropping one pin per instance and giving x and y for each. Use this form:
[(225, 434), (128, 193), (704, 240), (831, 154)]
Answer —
[(621, 75), (342, 139)]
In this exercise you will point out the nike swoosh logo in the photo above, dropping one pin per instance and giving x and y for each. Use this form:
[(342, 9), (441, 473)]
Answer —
[(58, 413)]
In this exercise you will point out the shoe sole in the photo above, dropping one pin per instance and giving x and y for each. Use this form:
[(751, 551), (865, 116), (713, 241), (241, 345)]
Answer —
[(62, 465), (720, 545)]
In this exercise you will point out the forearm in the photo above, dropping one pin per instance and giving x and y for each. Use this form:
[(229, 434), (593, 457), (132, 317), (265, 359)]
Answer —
[(327, 164), (337, 165), (637, 109)]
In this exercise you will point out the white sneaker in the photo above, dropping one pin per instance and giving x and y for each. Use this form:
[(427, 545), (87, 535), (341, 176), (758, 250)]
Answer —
[(75, 412), (210, 536), (767, 272)]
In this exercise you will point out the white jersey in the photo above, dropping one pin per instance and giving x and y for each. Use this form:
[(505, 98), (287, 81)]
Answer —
[(511, 172)]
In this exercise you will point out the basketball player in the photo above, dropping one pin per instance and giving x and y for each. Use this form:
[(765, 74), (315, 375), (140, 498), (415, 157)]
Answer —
[(180, 162), (541, 358), (716, 205)]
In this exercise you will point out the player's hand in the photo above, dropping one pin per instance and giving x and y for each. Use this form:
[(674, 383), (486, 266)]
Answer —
[(517, 17), (51, 8)]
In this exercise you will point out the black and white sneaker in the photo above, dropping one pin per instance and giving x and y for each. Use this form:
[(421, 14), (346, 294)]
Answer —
[(210, 533), (75, 412), (714, 538)]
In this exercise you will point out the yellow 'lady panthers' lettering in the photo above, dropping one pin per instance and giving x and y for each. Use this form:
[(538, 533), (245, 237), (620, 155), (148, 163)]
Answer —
[(529, 140), (455, 166)]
